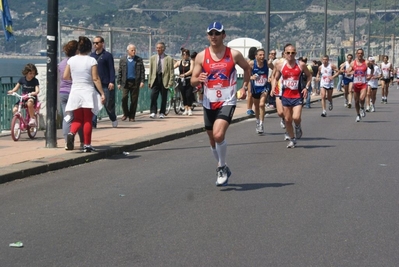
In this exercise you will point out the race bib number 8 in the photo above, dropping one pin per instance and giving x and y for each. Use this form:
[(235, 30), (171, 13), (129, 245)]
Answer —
[(217, 95)]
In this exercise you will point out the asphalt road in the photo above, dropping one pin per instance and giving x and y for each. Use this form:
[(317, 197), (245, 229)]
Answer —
[(331, 201)]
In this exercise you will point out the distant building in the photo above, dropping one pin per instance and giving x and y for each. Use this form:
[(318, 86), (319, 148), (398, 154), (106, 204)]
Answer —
[(243, 45)]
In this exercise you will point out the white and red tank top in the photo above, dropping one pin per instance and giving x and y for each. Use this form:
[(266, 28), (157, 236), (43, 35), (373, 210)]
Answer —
[(220, 88), (360, 72), (385, 68), (290, 82), (326, 73)]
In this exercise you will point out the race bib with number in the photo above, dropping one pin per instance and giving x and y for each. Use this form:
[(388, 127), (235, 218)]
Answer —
[(219, 94), (260, 80), (359, 79), (291, 84)]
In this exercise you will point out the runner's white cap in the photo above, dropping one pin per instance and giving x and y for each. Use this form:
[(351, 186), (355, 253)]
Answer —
[(217, 26)]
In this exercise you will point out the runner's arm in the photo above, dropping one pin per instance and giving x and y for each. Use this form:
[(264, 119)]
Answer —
[(198, 76)]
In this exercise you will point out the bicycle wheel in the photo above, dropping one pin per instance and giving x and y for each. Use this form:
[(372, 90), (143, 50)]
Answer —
[(168, 104), (32, 131), (178, 104), (16, 128)]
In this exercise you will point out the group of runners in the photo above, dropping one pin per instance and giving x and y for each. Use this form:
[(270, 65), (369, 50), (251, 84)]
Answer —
[(290, 81)]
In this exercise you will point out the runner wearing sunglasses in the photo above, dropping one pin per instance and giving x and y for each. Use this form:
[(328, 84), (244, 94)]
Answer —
[(214, 67)]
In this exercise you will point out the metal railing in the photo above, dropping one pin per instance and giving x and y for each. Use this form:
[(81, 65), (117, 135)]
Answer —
[(7, 103)]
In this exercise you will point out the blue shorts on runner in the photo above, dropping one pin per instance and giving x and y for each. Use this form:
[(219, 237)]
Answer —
[(291, 102), (347, 81)]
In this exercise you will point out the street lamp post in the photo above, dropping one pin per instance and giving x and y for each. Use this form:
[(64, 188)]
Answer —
[(354, 28), (267, 27), (325, 29), (51, 94), (385, 25), (368, 30)]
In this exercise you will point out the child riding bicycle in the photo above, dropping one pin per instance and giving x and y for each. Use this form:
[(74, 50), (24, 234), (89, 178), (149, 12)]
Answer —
[(29, 85)]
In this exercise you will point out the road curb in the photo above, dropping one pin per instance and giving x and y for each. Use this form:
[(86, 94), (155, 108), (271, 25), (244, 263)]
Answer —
[(21, 170)]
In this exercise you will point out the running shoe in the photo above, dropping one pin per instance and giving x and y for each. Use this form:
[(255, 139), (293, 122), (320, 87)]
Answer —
[(222, 175), (367, 109), (70, 141), (372, 109), (259, 128), (324, 113), (346, 103), (382, 101), (286, 136), (190, 113), (298, 132), (349, 105), (250, 112), (282, 123), (358, 118), (362, 113), (291, 143), (386, 101), (330, 106)]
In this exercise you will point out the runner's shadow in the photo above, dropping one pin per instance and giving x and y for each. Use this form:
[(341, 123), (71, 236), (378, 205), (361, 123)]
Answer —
[(254, 186)]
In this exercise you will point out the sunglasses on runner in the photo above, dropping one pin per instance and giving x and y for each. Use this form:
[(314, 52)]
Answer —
[(214, 33), (290, 53)]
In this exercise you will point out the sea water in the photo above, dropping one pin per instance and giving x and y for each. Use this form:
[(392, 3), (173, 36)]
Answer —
[(14, 66)]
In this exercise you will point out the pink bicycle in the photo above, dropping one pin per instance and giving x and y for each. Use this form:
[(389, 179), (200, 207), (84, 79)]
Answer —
[(20, 123)]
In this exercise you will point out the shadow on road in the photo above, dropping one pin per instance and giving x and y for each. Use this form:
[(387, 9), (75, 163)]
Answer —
[(254, 186)]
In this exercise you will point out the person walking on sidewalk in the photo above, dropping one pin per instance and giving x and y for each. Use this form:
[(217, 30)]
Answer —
[(131, 74), (84, 100), (293, 91), (185, 66), (215, 68), (106, 72), (70, 49), (161, 77), (326, 74)]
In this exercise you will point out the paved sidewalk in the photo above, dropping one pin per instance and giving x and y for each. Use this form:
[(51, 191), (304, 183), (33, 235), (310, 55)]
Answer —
[(28, 157)]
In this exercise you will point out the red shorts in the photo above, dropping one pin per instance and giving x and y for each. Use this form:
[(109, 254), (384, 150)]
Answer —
[(359, 87)]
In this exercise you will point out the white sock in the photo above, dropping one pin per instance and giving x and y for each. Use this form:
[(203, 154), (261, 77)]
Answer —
[(221, 151), (260, 122), (215, 153), (257, 121)]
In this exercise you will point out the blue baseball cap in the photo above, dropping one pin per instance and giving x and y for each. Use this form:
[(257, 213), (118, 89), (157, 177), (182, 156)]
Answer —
[(217, 26)]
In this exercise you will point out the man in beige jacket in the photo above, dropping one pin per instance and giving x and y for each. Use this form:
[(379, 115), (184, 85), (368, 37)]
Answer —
[(161, 77)]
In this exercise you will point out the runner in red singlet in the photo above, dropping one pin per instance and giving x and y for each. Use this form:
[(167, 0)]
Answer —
[(358, 68), (215, 68), (276, 91), (293, 91)]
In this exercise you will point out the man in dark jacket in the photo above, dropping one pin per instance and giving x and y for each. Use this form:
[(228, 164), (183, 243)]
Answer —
[(130, 79), (106, 72)]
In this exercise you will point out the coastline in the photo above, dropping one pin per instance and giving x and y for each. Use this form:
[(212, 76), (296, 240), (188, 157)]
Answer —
[(19, 56)]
